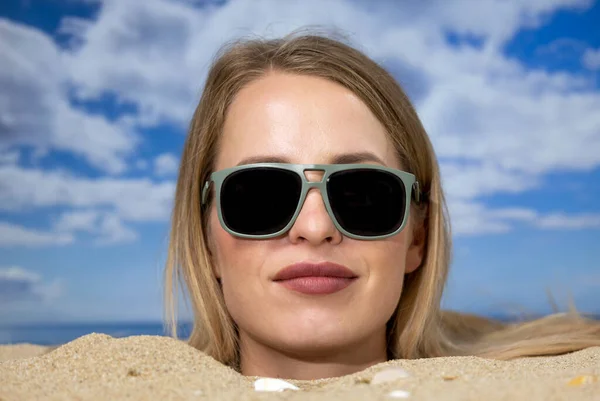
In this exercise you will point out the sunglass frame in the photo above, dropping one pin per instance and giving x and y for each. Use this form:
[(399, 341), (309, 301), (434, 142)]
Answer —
[(411, 186)]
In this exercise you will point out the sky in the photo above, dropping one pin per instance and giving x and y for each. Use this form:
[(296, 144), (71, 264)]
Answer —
[(97, 95)]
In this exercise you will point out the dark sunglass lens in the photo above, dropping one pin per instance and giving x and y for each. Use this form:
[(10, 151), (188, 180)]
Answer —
[(367, 202), (259, 201)]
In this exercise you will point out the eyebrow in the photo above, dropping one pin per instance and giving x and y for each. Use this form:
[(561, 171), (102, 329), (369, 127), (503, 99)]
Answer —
[(345, 158)]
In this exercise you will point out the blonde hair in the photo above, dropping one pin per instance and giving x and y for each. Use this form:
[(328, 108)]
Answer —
[(418, 327)]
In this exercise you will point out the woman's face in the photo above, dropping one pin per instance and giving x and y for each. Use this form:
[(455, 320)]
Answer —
[(307, 120)]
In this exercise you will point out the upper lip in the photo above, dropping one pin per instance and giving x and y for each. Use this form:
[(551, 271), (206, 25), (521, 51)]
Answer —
[(307, 269)]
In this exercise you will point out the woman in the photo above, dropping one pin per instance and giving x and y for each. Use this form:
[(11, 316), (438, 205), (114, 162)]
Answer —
[(310, 228)]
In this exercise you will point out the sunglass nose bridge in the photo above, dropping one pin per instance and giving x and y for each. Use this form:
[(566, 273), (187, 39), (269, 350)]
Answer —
[(314, 174)]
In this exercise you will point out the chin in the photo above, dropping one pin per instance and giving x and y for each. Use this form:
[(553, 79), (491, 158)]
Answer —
[(314, 338), (314, 346)]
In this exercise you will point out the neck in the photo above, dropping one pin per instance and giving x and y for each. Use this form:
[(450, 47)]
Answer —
[(258, 359)]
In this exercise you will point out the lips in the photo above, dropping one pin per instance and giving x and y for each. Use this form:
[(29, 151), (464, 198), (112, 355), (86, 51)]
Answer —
[(325, 269)]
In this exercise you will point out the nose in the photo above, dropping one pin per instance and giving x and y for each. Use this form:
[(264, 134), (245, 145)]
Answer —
[(314, 225)]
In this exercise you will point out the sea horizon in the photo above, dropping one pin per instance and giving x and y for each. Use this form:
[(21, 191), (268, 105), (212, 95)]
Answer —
[(53, 333)]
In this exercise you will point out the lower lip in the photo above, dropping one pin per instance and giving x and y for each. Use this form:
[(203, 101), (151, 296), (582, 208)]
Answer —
[(317, 285)]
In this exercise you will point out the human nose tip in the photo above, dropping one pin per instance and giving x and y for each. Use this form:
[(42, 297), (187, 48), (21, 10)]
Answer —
[(314, 224)]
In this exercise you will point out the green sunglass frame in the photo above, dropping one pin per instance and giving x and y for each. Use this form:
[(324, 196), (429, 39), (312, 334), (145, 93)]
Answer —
[(411, 186)]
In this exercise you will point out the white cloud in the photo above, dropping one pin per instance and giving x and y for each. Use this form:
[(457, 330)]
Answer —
[(12, 235), (506, 115), (166, 164), (113, 231), (18, 285), (9, 157), (18, 274), (494, 20), (34, 105), (79, 220), (100, 207), (157, 66), (151, 37), (591, 59), (563, 221), (468, 181), (480, 105), (107, 227), (131, 199), (473, 218)]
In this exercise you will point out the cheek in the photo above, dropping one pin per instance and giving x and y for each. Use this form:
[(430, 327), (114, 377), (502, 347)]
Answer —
[(388, 256), (386, 260), (228, 250), (238, 263)]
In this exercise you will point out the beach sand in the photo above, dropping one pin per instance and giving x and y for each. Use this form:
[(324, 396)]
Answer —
[(100, 367)]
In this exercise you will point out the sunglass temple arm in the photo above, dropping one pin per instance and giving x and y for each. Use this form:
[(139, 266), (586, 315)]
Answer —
[(205, 191), (417, 192)]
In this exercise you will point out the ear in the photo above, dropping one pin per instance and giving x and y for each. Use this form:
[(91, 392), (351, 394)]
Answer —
[(416, 248)]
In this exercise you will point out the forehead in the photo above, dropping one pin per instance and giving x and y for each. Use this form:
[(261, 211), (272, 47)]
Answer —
[(300, 119)]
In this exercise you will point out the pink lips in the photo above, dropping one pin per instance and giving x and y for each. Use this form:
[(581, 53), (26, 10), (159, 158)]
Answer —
[(311, 278)]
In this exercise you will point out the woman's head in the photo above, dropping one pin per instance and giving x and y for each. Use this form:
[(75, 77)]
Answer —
[(306, 100)]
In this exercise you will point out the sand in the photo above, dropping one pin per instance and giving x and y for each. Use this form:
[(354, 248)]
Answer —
[(100, 367)]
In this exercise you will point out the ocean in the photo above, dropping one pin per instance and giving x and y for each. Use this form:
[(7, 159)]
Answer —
[(61, 333)]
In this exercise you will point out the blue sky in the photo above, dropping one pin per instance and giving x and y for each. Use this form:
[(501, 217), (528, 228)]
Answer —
[(97, 95)]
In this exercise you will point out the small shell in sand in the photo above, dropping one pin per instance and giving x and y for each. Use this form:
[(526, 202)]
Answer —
[(389, 375), (270, 384), (398, 394), (583, 379)]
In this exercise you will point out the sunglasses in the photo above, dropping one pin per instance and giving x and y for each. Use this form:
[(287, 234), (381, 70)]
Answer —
[(263, 200)]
